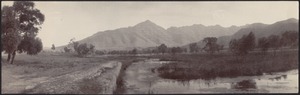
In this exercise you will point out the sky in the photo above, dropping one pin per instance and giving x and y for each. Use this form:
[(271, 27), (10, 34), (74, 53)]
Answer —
[(65, 19)]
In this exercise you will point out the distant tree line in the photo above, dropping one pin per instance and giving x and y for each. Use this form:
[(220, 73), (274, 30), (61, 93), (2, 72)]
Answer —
[(275, 42), (247, 43)]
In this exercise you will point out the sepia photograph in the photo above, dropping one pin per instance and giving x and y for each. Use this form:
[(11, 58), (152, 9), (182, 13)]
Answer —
[(149, 47)]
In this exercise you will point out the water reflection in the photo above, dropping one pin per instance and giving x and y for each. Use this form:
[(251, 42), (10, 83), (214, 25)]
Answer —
[(244, 85), (151, 83), (278, 78), (284, 76)]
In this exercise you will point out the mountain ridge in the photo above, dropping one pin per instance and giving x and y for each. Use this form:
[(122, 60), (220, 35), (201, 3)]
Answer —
[(148, 34)]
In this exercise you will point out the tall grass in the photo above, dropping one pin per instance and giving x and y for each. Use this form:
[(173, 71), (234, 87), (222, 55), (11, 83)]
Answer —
[(226, 65)]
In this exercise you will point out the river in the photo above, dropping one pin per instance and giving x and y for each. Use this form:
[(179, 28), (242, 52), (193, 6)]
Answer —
[(141, 78)]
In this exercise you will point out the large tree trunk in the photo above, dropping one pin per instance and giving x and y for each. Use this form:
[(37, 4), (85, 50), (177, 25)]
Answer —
[(8, 57), (13, 57)]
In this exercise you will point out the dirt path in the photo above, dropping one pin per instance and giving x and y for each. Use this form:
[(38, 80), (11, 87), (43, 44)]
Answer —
[(80, 81), (9, 80)]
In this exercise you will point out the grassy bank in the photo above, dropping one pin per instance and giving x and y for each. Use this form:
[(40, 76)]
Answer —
[(205, 66)]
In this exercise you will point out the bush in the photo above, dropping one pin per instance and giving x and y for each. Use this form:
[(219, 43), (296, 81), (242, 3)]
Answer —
[(98, 52), (67, 49), (84, 49)]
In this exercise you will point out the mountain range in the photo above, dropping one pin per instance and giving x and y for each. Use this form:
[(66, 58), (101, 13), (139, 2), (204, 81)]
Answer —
[(263, 30), (148, 34)]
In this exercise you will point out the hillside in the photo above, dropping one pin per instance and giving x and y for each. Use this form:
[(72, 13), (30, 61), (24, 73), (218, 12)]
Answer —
[(259, 30), (144, 34), (148, 34), (263, 30), (187, 34)]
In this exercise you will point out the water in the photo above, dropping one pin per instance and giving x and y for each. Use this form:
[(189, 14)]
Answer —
[(141, 78)]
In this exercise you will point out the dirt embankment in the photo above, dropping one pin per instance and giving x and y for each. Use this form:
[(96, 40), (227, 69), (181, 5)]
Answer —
[(92, 78)]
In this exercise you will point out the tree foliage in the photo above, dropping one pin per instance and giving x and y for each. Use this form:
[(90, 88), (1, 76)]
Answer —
[(84, 49), (66, 49), (31, 46), (243, 45), (211, 45), (263, 44), (290, 38), (53, 47), (274, 42), (162, 48), (20, 24), (175, 50), (133, 51), (193, 47)]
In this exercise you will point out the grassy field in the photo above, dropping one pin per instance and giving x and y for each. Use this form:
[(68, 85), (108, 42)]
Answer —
[(194, 66)]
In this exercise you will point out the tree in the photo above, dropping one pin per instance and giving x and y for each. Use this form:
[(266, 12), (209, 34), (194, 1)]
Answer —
[(263, 44), (134, 51), (10, 34), (53, 47), (211, 45), (73, 44), (20, 24), (193, 47), (162, 48), (250, 41), (98, 52), (31, 46), (234, 46), (84, 49), (290, 38), (175, 50), (67, 49), (274, 42), (243, 45)]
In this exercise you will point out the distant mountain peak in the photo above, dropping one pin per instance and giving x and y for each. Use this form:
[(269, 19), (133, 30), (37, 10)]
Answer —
[(217, 25), (148, 21), (148, 34), (198, 25), (290, 20), (148, 24)]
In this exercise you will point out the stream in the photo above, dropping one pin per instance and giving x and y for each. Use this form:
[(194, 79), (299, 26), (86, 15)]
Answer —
[(141, 78)]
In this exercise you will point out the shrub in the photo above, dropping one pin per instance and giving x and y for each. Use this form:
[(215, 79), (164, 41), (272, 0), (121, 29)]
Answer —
[(84, 49)]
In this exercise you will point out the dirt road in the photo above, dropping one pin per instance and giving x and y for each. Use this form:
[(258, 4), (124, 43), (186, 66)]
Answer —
[(74, 78)]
